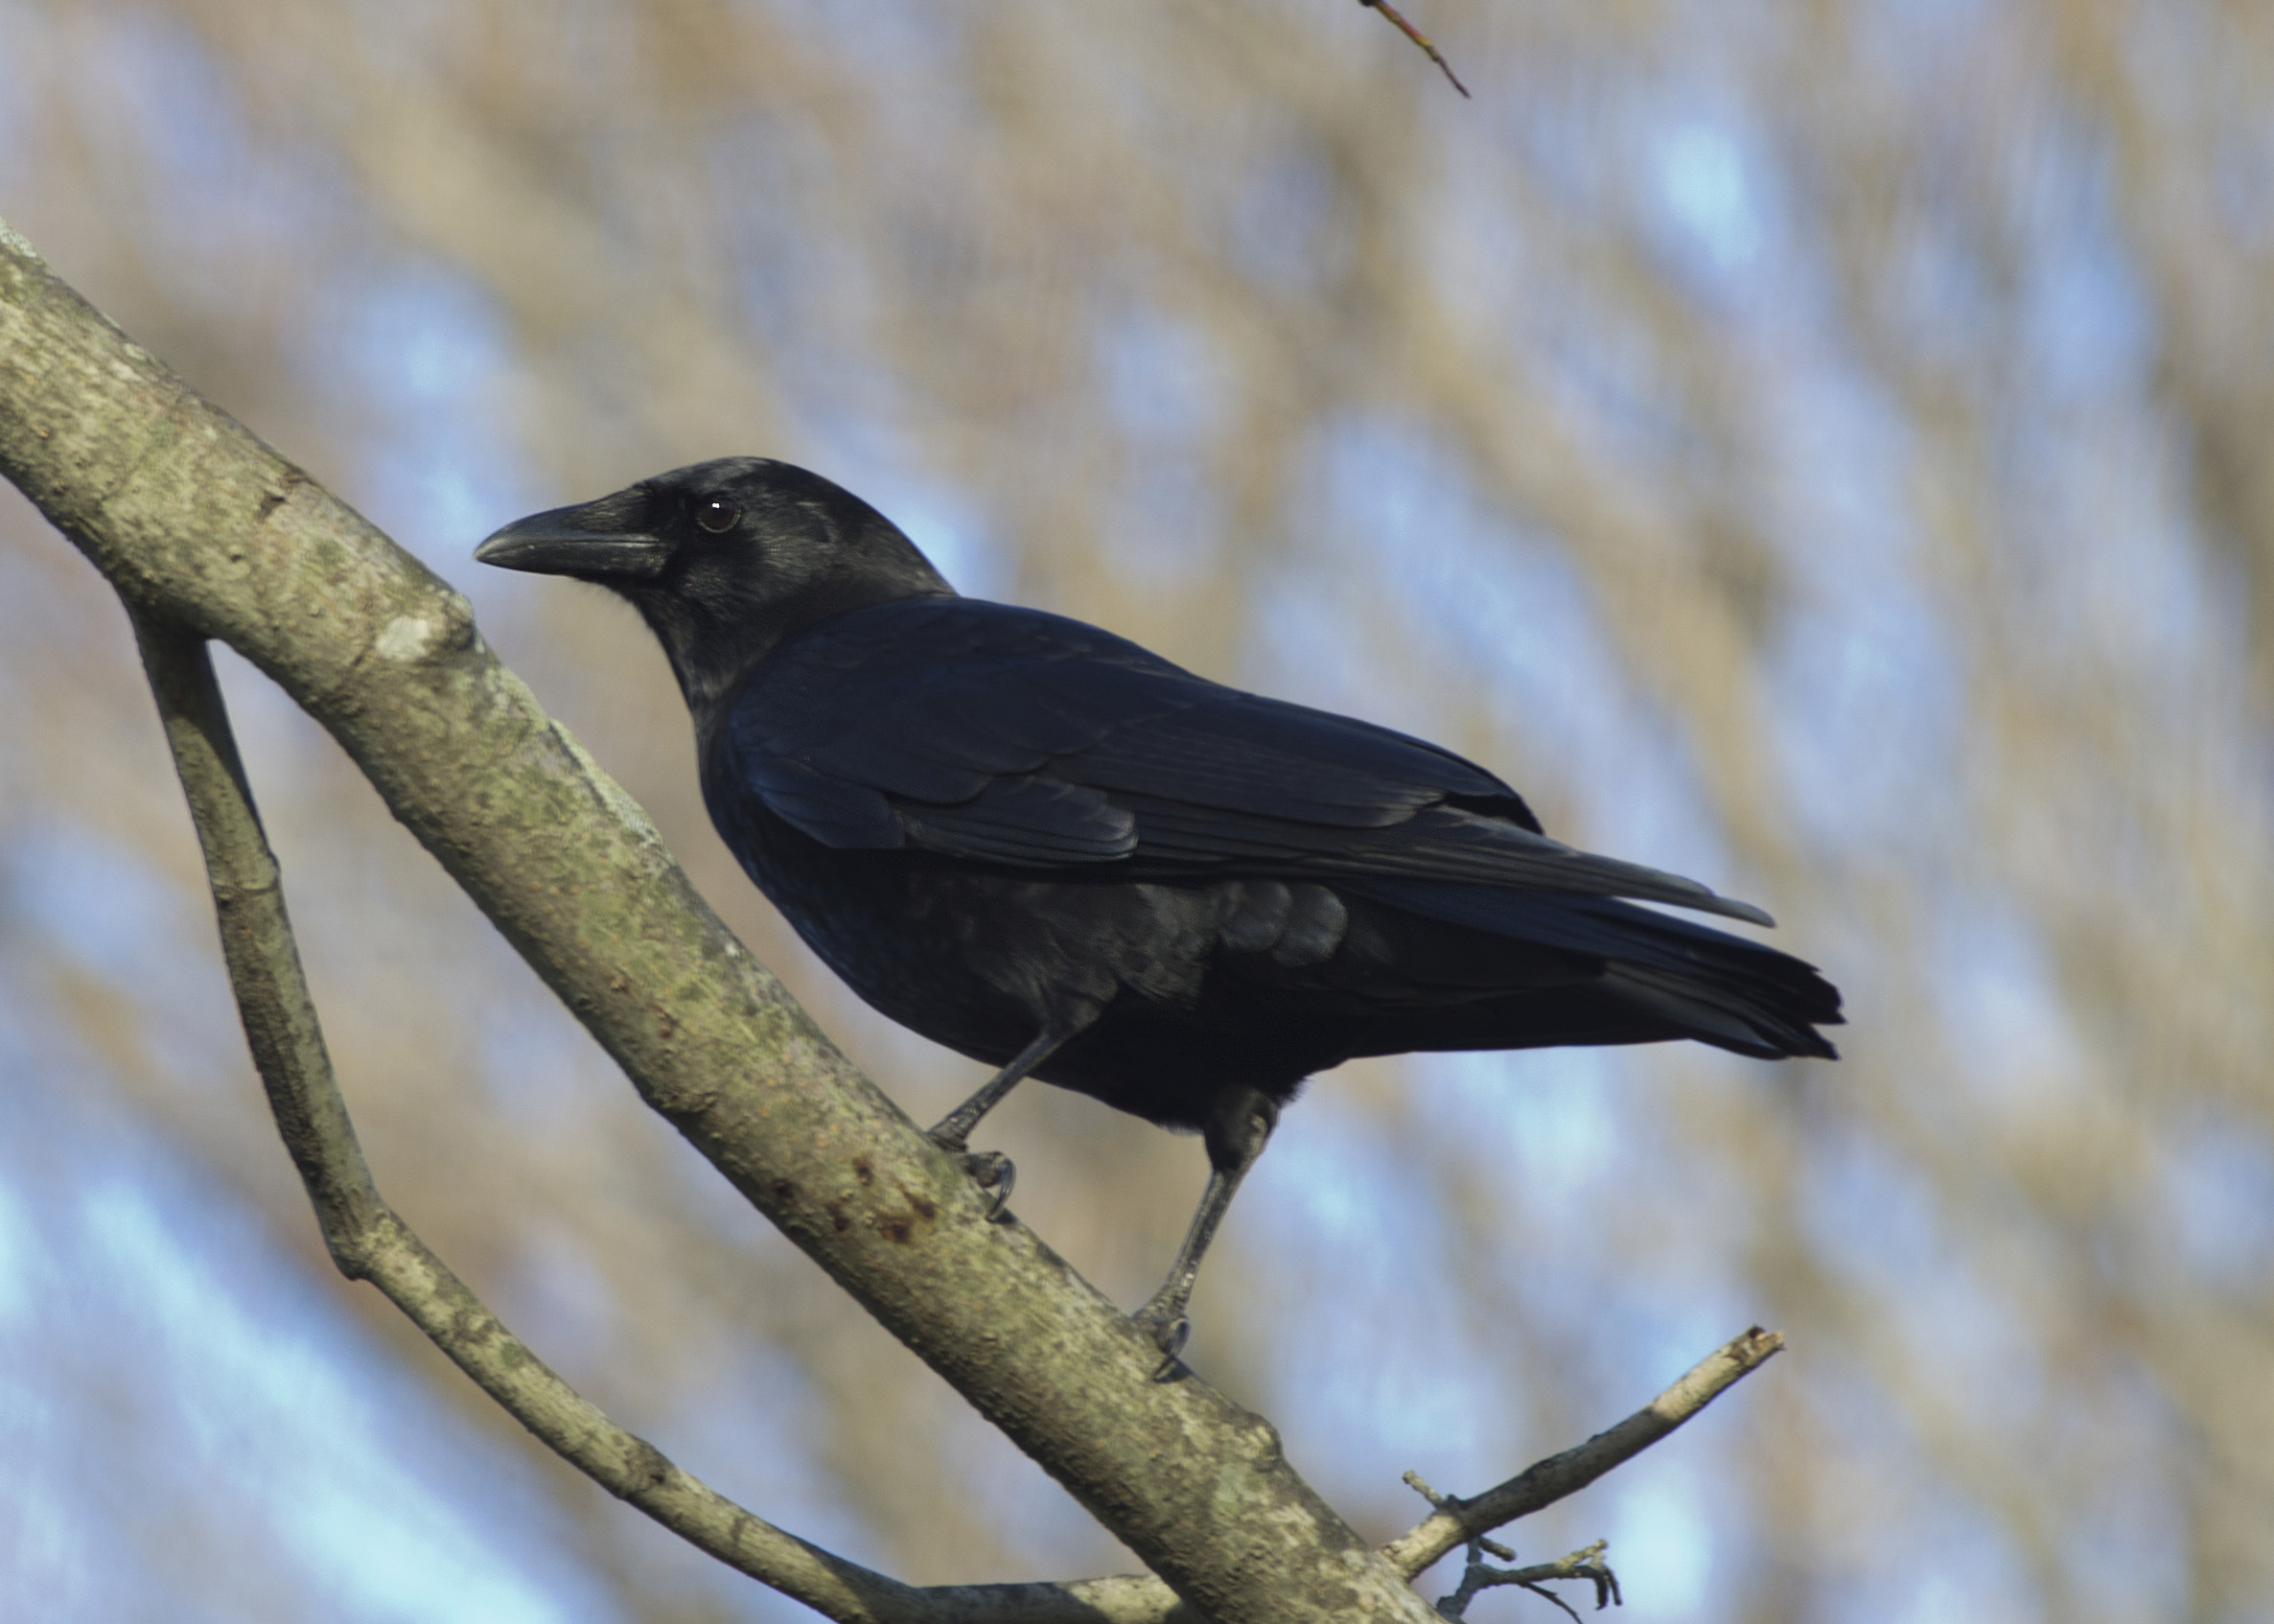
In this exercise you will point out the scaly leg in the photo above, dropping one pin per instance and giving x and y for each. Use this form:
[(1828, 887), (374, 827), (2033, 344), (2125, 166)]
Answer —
[(992, 1169), (1236, 1138)]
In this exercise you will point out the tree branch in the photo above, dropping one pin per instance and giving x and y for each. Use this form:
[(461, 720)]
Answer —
[(1542, 1483), (1480, 1576), (199, 524)]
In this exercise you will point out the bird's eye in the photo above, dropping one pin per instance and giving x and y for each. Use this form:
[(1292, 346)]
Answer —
[(716, 516)]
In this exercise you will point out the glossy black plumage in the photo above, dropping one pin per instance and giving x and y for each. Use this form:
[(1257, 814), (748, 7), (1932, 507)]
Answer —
[(1003, 828)]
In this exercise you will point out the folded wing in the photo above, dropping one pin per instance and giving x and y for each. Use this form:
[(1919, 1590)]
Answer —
[(1009, 736)]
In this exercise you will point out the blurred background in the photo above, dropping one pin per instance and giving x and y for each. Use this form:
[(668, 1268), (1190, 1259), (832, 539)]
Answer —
[(1826, 450)]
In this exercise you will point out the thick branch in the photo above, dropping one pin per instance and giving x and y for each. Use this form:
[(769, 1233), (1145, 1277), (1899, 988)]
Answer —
[(1548, 1481), (199, 524)]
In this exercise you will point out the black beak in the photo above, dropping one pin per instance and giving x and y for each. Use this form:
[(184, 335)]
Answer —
[(592, 543)]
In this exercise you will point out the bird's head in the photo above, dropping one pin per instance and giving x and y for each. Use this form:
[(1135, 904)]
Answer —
[(725, 559)]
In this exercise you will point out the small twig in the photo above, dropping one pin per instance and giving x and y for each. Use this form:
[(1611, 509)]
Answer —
[(1415, 35), (1588, 1563), (1451, 1505), (1458, 1521)]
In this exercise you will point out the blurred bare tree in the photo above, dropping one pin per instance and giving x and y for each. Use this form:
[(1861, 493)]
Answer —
[(1827, 449)]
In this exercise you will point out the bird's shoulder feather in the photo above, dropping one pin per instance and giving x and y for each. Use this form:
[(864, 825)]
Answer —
[(993, 733), (974, 720)]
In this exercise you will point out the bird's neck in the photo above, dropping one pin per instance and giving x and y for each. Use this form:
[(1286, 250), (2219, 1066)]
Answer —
[(712, 654)]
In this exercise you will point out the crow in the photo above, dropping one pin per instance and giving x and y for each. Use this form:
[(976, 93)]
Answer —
[(1058, 854)]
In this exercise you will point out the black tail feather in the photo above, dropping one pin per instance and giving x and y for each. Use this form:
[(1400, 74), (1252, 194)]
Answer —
[(1695, 981)]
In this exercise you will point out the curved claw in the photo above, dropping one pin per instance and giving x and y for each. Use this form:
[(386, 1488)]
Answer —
[(1169, 1333), (989, 1170), (992, 1169)]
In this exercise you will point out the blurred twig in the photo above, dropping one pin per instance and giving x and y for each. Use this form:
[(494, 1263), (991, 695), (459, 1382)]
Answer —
[(1397, 21)]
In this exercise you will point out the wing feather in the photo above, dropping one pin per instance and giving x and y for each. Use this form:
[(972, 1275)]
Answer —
[(1007, 735)]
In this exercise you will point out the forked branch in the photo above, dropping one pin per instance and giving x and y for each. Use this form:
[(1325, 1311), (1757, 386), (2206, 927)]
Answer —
[(1458, 1521), (366, 1237), (370, 1242)]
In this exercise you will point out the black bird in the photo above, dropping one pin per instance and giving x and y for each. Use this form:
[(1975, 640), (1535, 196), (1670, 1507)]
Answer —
[(1049, 849)]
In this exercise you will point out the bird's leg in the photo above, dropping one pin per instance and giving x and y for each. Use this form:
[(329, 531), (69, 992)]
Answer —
[(992, 1169), (1236, 1136)]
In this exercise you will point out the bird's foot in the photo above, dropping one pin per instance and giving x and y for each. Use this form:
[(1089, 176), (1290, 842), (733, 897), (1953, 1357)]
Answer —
[(1166, 1322), (992, 1169), (989, 1170)]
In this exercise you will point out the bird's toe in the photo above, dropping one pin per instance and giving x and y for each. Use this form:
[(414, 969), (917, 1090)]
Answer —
[(1169, 1327), (991, 1170)]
